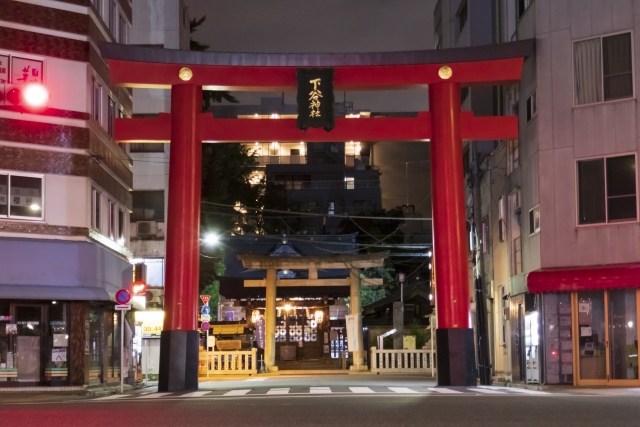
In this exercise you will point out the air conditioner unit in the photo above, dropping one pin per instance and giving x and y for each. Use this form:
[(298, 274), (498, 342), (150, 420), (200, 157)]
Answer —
[(147, 228), (155, 298)]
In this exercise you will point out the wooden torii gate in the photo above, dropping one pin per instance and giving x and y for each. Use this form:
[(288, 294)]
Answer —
[(186, 73)]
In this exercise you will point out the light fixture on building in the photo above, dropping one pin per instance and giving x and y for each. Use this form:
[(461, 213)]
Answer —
[(54, 302), (255, 316), (285, 272), (319, 315)]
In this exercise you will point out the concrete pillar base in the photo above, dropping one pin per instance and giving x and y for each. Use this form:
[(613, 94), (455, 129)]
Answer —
[(178, 361), (456, 357)]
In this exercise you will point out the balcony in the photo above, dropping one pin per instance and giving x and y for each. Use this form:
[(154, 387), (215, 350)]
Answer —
[(280, 160), (329, 185)]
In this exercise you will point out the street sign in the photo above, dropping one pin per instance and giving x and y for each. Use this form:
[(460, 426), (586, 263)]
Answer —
[(205, 326), (123, 296), (205, 317), (123, 307), (205, 299), (205, 309)]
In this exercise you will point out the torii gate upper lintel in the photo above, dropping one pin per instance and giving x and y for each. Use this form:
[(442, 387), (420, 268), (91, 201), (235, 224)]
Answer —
[(443, 71)]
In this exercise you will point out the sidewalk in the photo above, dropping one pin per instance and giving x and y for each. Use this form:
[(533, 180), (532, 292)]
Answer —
[(54, 396)]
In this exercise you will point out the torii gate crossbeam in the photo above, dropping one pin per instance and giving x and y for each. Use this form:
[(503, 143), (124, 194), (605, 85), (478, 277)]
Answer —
[(443, 71)]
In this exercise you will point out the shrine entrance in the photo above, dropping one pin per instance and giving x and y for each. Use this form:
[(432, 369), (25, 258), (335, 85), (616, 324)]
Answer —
[(186, 73)]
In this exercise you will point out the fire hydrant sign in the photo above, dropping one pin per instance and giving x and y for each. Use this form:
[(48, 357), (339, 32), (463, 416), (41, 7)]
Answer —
[(205, 299)]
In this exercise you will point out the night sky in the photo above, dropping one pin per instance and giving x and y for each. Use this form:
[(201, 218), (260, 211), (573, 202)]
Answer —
[(321, 26)]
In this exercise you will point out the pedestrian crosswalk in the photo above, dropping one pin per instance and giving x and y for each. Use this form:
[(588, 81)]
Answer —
[(333, 390)]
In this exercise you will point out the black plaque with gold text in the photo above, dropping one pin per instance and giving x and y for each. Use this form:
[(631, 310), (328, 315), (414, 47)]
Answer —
[(315, 98)]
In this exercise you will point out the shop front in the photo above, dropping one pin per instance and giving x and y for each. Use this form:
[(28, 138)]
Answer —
[(590, 324)]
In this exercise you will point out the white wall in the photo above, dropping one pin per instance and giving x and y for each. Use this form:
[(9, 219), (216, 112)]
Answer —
[(67, 201)]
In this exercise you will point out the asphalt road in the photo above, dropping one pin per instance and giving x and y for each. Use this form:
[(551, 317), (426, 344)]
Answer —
[(339, 401)]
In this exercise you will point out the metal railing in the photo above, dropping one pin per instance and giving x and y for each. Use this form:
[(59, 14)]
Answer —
[(229, 362), (405, 361), (328, 185), (280, 160)]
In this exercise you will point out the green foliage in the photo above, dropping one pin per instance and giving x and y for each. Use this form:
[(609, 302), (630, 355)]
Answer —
[(417, 330), (371, 294), (209, 283)]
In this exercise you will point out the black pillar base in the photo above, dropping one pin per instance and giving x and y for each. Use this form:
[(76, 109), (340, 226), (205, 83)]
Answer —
[(456, 357), (178, 361)]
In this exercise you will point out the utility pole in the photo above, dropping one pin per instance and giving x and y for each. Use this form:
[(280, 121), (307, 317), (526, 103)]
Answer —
[(484, 361)]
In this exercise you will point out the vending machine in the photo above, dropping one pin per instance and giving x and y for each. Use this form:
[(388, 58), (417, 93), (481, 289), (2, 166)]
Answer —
[(532, 341)]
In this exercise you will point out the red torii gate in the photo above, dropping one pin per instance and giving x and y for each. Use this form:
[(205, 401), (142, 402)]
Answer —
[(186, 73)]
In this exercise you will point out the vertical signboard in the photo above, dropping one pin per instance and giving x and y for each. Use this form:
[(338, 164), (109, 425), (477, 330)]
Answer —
[(260, 332), (352, 331), (315, 98)]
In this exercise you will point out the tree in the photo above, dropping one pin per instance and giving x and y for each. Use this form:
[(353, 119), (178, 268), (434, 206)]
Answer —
[(209, 283), (208, 96)]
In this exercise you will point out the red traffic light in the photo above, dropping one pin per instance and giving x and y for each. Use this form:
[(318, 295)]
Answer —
[(33, 95), (139, 288)]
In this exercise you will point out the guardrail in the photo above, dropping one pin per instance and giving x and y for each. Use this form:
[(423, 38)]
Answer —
[(229, 362), (404, 361)]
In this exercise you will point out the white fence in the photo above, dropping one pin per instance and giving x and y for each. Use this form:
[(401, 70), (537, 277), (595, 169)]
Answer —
[(229, 362), (406, 361)]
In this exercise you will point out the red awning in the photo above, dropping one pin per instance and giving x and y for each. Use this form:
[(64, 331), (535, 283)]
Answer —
[(584, 278)]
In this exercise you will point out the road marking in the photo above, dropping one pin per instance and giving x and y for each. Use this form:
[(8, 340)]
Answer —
[(115, 396), (486, 390), (153, 395), (194, 394), (278, 391), (320, 390), (401, 390), (361, 390), (255, 379), (237, 392), (444, 390), (514, 389)]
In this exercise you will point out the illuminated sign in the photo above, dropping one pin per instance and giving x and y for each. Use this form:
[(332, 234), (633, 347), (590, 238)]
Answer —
[(151, 322), (315, 98)]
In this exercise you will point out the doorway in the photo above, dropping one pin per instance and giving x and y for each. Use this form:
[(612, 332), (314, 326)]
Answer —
[(28, 342), (606, 328)]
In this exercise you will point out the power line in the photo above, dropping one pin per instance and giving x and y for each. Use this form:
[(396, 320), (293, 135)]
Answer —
[(317, 215)]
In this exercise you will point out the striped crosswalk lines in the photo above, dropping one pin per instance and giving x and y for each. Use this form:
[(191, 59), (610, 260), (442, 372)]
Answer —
[(326, 390)]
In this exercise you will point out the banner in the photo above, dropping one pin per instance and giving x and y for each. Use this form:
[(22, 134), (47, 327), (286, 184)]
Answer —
[(260, 333), (315, 98), (353, 323)]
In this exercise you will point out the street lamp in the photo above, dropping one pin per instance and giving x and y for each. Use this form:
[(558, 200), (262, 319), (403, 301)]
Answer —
[(211, 239)]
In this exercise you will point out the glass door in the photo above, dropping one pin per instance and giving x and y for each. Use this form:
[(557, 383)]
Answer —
[(28, 340), (607, 331)]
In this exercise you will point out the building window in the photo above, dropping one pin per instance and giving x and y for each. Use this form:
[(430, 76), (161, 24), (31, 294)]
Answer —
[(148, 206), (523, 5), (517, 256), (146, 147), (122, 30), (95, 209), (534, 220), (332, 208), (112, 110), (21, 196), (603, 69), (463, 14), (513, 158), (502, 229), (113, 18), (120, 226), (349, 183), (112, 232), (607, 190), (96, 99), (464, 94), (532, 106), (98, 5)]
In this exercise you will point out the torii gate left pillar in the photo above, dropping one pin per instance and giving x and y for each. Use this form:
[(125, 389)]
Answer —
[(179, 338)]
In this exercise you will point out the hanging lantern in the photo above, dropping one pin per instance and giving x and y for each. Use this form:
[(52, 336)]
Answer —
[(255, 316), (319, 315)]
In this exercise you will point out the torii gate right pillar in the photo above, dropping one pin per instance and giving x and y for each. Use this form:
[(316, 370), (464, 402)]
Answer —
[(454, 336)]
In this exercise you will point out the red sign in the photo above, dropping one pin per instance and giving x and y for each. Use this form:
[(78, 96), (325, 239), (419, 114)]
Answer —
[(205, 326), (123, 296), (205, 299)]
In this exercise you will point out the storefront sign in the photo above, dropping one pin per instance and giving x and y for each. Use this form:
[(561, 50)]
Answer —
[(151, 322), (11, 329), (260, 332), (6, 318), (315, 98), (25, 70), (59, 355)]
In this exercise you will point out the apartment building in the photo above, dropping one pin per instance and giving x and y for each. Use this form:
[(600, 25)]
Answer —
[(65, 195), (559, 234)]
